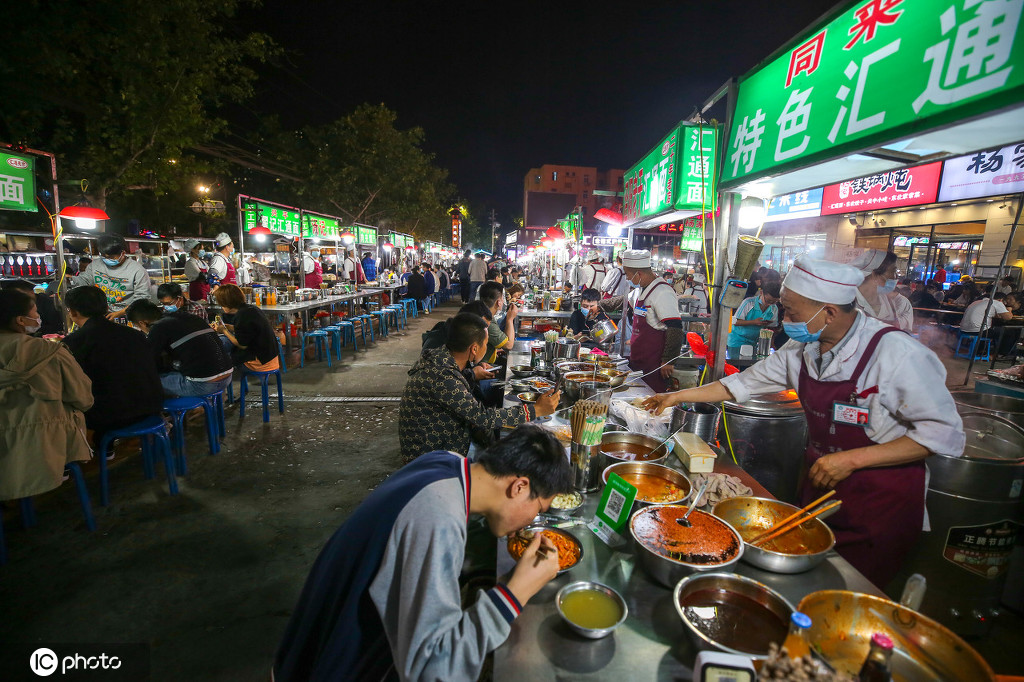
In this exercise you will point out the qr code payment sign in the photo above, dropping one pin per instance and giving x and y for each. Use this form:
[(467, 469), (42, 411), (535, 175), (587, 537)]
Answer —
[(616, 502)]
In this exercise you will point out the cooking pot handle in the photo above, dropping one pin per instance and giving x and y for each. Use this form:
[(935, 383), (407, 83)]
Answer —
[(913, 592)]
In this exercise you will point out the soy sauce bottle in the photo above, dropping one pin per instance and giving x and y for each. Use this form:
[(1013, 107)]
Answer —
[(877, 666)]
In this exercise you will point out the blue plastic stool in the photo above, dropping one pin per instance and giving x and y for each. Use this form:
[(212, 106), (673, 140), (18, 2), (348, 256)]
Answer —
[(263, 377), (178, 407), (216, 401), (280, 355), (348, 331), (407, 302), (382, 319), (320, 341), (974, 342), (367, 322), (145, 430), (401, 320), (334, 336), (395, 314), (28, 512)]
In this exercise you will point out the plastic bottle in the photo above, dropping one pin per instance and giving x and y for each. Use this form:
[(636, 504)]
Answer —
[(877, 666), (796, 642)]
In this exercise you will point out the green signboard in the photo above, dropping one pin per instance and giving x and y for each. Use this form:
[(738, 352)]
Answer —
[(874, 71), (692, 239), (17, 183), (275, 218), (364, 235), (319, 226), (674, 179)]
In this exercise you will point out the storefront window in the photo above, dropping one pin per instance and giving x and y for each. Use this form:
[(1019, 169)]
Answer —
[(779, 252)]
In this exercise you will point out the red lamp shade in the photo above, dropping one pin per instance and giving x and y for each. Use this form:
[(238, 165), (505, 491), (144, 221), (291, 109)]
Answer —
[(84, 212), (547, 242), (555, 232), (609, 216), (259, 229), (347, 236)]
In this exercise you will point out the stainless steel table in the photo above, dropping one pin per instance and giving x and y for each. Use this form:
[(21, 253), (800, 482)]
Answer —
[(652, 644), (303, 308)]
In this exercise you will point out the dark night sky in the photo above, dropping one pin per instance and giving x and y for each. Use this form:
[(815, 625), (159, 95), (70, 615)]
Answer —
[(500, 88)]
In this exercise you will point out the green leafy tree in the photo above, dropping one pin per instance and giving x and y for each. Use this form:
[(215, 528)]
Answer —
[(122, 90), (366, 170)]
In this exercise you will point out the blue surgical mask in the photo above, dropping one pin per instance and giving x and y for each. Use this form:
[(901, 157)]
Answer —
[(112, 262), (170, 308), (798, 330), (888, 287), (202, 253)]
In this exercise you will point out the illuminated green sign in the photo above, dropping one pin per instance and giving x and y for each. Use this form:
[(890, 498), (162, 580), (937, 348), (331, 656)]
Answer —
[(364, 235), (275, 218), (675, 179), (17, 183), (319, 226), (875, 71)]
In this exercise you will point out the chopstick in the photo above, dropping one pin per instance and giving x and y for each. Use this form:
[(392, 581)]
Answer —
[(795, 514), (798, 522)]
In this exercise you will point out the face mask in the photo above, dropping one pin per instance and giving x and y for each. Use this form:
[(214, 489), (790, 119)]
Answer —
[(888, 287), (170, 308), (32, 329), (798, 330), (112, 262), (202, 253)]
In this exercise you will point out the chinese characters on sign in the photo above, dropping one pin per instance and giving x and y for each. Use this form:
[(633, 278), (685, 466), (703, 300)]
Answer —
[(456, 231), (17, 183), (278, 220), (871, 74), (320, 227), (676, 176), (890, 189), (805, 204), (983, 174), (365, 235), (984, 550), (904, 240)]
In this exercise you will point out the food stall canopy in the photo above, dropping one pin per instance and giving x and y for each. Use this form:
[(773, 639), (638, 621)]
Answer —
[(365, 234), (278, 219), (874, 86), (17, 183), (674, 180), (317, 226)]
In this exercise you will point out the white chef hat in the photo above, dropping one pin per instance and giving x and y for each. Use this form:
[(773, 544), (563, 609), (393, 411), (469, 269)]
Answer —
[(593, 254), (222, 240), (869, 261), (638, 259), (824, 281)]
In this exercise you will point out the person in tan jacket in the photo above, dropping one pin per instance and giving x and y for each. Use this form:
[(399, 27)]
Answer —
[(43, 395)]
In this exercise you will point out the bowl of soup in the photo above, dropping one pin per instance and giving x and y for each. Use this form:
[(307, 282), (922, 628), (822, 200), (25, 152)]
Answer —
[(654, 483), (590, 609)]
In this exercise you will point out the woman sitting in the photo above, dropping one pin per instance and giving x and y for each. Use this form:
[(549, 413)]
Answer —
[(253, 342), (43, 395)]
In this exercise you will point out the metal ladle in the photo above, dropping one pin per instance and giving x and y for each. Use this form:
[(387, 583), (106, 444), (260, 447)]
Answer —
[(685, 521)]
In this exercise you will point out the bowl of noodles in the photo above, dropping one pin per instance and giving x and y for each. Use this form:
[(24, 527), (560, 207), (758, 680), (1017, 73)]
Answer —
[(570, 550)]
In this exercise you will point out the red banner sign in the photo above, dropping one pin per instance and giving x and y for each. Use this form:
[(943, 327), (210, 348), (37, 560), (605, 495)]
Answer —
[(456, 231), (888, 189)]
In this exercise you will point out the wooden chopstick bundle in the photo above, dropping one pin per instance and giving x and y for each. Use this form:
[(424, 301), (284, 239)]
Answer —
[(783, 528), (587, 421)]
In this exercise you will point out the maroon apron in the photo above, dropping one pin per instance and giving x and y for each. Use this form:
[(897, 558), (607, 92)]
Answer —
[(229, 275), (883, 507), (647, 345), (315, 279), (199, 289)]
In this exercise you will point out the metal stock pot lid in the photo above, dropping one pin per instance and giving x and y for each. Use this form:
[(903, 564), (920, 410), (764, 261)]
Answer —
[(784, 403), (992, 438)]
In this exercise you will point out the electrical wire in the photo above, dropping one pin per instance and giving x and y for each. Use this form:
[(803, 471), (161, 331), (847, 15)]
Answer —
[(58, 233), (629, 381)]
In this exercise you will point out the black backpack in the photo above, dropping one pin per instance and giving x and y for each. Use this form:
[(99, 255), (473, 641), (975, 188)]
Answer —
[(435, 336)]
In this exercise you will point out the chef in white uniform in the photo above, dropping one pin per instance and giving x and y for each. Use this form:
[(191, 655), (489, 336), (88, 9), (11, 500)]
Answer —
[(614, 283), (876, 405), (877, 295), (593, 273)]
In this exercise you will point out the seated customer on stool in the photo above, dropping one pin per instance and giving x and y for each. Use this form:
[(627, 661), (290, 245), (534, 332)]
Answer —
[(383, 601), (191, 359), (250, 340), (125, 382), (582, 321)]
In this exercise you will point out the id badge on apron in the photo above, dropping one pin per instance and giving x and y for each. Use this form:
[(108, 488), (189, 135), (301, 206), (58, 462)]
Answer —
[(640, 311), (850, 414)]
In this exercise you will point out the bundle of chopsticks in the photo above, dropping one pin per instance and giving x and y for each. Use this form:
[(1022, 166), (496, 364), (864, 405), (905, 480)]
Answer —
[(587, 421), (551, 336), (797, 519)]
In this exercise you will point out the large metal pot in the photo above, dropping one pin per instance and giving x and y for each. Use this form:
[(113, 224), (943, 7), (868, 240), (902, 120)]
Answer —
[(769, 436), (697, 418), (974, 503), (668, 571), (749, 590), (842, 624), (751, 516), (650, 469), (640, 447), (994, 405), (567, 349)]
